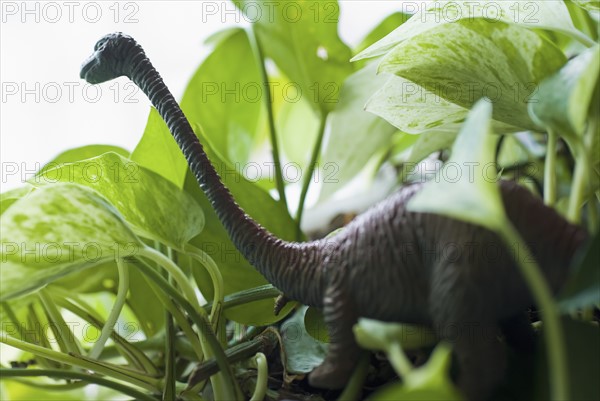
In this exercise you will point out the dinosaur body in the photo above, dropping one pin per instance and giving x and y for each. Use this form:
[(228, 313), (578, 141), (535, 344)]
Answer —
[(389, 263)]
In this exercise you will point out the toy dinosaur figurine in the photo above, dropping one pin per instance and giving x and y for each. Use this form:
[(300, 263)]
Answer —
[(388, 263)]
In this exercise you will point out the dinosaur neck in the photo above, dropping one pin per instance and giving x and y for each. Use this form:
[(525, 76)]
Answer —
[(294, 268)]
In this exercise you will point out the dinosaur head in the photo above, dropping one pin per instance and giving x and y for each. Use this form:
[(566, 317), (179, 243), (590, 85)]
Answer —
[(111, 58)]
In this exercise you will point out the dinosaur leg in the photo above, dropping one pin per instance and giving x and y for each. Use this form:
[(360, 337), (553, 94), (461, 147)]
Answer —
[(343, 354), (280, 302), (462, 317)]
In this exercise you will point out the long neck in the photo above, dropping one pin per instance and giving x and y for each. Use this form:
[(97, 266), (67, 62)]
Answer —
[(295, 268)]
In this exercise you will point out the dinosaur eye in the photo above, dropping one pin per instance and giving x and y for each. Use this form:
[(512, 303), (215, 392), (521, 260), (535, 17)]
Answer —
[(99, 45)]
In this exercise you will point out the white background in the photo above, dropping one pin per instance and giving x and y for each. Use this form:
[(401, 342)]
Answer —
[(46, 108)]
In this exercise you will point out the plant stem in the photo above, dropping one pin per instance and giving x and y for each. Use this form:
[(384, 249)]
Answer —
[(117, 307), (261, 379), (62, 295), (590, 143), (580, 37), (252, 294), (579, 183), (353, 389), (136, 379), (169, 389), (155, 344), (262, 343), (199, 318), (260, 59), (43, 385), (179, 317), (555, 344), (73, 375), (398, 359), (310, 170), (220, 390), (550, 170), (64, 336), (217, 279), (130, 352), (175, 272), (36, 324), (13, 318)]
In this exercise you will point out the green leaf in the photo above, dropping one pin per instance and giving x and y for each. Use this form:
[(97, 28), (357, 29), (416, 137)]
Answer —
[(226, 100), (153, 205), (552, 15), (471, 59), (303, 353), (82, 153), (56, 230), (20, 309), (301, 38), (581, 339), (218, 37), (144, 304), (412, 108), (416, 110), (426, 383), (563, 101), (584, 23), (314, 323), (590, 5), (402, 146), (431, 141), (158, 152), (297, 126), (583, 288), (102, 277), (377, 336), (238, 274), (463, 188), (387, 25), (17, 390), (355, 135), (9, 197)]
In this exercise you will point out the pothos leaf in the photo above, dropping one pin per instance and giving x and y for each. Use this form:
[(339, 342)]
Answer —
[(415, 110), (226, 100), (355, 135), (153, 205), (466, 192), (301, 38), (82, 153), (563, 100), (387, 25), (471, 59), (9, 197), (376, 335), (302, 351), (428, 382), (588, 4), (412, 108), (56, 230), (158, 152), (552, 15)]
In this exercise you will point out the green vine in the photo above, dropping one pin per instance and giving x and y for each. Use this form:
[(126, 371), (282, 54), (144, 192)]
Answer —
[(310, 170), (555, 339), (122, 290)]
